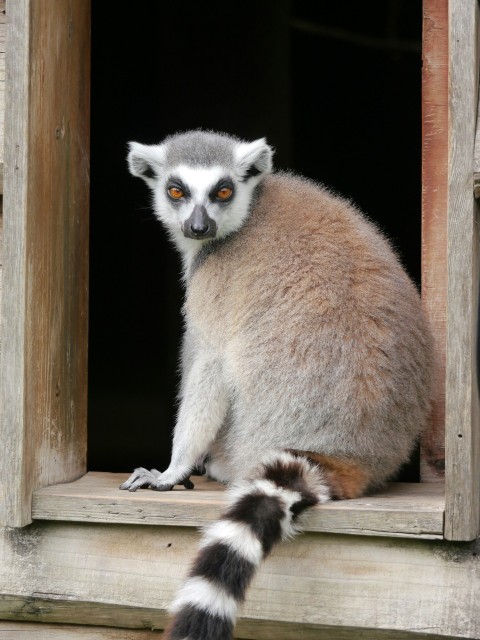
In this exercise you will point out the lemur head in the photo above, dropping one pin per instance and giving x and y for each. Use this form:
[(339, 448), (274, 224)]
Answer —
[(202, 182)]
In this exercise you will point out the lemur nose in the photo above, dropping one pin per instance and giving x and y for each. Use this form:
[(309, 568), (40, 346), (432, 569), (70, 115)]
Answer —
[(199, 229), (199, 225)]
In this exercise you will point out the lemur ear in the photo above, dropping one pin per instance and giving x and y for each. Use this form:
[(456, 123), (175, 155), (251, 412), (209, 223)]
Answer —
[(253, 158), (145, 161)]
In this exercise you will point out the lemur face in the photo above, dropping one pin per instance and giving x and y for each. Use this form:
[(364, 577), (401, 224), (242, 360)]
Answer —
[(202, 201), (202, 182)]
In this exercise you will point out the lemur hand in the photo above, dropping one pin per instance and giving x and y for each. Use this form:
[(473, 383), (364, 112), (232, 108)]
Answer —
[(141, 478)]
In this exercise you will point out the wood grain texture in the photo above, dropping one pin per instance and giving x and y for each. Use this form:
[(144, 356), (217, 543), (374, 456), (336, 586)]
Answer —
[(31, 631), (2, 86), (249, 630), (402, 510), (462, 401), (1, 271), (14, 271), (125, 575), (43, 388), (434, 217), (2, 113), (476, 158)]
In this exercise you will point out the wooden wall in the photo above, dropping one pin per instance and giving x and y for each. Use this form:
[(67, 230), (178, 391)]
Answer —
[(317, 587)]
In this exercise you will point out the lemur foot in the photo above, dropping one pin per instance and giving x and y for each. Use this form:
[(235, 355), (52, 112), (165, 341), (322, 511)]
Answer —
[(142, 478)]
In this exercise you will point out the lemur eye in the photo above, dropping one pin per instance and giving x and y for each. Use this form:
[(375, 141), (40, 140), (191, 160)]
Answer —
[(175, 193), (225, 193)]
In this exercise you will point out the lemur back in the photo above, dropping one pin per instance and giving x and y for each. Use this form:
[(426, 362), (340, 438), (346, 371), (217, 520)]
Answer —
[(306, 364), (317, 323)]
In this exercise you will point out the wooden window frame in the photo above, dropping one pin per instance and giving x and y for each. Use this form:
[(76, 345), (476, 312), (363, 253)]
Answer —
[(43, 386), (45, 292), (450, 278)]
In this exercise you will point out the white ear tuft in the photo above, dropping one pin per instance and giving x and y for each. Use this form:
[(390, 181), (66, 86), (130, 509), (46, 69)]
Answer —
[(253, 158), (145, 161)]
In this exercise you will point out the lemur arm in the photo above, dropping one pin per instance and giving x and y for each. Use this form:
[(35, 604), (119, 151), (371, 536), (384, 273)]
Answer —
[(203, 408)]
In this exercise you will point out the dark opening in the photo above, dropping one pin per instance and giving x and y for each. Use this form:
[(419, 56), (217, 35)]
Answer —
[(335, 88)]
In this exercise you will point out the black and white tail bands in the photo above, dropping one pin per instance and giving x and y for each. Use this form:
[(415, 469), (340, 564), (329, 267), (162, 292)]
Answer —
[(263, 511)]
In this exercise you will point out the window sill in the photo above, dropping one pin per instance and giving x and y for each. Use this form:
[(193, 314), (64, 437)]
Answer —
[(404, 510)]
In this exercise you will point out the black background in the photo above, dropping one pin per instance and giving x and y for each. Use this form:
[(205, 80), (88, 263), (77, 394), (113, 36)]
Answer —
[(326, 82)]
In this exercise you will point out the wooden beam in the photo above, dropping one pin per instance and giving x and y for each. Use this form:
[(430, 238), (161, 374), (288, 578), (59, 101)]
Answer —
[(43, 383), (405, 510), (32, 631), (2, 85), (126, 576), (476, 159), (462, 513), (1, 271), (250, 630), (434, 218)]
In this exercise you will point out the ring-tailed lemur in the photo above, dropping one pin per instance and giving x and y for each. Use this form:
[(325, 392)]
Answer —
[(306, 363)]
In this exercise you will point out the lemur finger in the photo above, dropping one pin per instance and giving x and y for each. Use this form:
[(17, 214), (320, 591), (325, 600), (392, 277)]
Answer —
[(141, 483), (138, 473)]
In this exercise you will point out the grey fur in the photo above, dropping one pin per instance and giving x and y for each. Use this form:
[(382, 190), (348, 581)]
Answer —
[(200, 149)]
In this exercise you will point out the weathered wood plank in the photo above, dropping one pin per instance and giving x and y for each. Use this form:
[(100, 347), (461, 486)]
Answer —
[(476, 158), (1, 271), (126, 576), (2, 85), (402, 510), (13, 338), (249, 630), (462, 513), (2, 116), (46, 610), (31, 631), (434, 217), (45, 275)]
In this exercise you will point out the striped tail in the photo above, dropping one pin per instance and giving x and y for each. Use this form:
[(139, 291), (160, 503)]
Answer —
[(263, 511)]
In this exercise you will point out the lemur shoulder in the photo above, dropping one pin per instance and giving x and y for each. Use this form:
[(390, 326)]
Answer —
[(306, 362)]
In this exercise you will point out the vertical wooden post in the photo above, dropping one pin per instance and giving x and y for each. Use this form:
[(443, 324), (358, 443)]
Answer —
[(462, 427), (434, 217), (2, 112), (43, 384)]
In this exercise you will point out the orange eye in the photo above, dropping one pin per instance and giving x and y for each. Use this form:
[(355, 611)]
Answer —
[(175, 193), (224, 193)]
